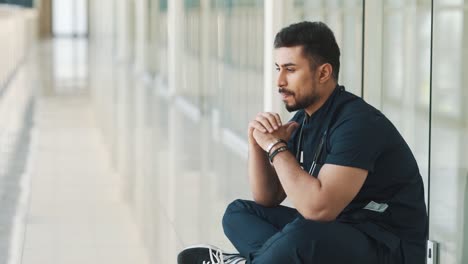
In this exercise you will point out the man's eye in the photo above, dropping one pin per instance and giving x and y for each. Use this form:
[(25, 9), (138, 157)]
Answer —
[(277, 69), (290, 70)]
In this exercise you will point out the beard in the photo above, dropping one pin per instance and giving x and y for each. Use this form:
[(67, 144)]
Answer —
[(301, 103)]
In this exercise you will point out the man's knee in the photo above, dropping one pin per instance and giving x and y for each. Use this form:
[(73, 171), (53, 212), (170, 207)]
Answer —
[(235, 207)]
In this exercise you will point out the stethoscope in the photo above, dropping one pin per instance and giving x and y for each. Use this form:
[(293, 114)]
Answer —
[(318, 150), (321, 144)]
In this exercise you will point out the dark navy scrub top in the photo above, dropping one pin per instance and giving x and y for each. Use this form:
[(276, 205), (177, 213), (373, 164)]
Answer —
[(390, 206)]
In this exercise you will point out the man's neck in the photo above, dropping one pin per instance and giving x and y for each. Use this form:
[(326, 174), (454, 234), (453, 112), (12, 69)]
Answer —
[(327, 92)]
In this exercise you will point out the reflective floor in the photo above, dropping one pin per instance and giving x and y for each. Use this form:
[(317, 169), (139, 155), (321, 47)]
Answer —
[(105, 168), (65, 197), (117, 186)]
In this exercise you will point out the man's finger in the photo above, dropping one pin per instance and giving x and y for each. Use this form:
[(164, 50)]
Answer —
[(265, 122), (272, 120), (278, 118), (257, 125)]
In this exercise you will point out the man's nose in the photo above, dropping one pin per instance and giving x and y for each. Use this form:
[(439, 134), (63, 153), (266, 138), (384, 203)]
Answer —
[(281, 79)]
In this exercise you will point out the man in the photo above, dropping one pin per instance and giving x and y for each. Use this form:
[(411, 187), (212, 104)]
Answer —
[(354, 183)]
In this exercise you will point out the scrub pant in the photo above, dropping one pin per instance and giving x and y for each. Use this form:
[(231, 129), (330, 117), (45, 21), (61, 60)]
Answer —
[(280, 235)]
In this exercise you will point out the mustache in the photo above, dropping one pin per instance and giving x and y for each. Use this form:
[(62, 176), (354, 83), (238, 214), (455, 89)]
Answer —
[(285, 91)]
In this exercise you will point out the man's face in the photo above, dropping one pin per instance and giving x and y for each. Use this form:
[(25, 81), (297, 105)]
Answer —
[(296, 82)]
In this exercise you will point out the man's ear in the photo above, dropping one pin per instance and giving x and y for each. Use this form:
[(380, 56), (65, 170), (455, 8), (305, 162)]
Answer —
[(325, 72)]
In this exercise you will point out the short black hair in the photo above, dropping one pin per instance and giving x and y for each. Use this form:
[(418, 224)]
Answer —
[(317, 40)]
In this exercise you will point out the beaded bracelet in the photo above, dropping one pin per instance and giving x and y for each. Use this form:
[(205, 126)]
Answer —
[(278, 150)]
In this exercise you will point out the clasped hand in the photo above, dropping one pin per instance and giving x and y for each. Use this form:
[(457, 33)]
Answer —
[(267, 127)]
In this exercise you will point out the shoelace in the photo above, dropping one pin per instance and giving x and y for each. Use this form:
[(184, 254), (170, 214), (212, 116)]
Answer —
[(217, 257)]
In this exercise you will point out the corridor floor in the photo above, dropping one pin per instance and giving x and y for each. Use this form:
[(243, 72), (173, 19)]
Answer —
[(75, 213), (68, 207)]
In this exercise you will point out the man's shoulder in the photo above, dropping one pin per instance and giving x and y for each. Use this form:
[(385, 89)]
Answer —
[(359, 116), (359, 110)]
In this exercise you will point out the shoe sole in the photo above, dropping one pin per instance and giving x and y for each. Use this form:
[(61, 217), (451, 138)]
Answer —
[(208, 246)]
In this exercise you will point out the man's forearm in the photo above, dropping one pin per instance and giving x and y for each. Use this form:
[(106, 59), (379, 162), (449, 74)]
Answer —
[(301, 188), (265, 185)]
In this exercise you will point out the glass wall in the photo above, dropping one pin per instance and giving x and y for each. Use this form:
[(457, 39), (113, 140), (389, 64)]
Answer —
[(70, 17), (402, 56), (406, 53), (152, 36), (191, 87), (448, 210), (131, 30), (161, 41), (240, 62)]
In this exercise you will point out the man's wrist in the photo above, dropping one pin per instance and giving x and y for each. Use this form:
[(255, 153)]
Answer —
[(274, 145), (275, 152), (282, 144)]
